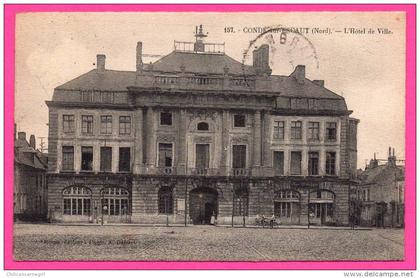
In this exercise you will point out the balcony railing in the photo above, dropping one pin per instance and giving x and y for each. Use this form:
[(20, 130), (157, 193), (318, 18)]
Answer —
[(203, 82), (166, 170), (204, 171), (240, 172)]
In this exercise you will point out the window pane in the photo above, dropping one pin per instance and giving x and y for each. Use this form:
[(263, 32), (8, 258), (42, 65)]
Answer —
[(165, 118), (68, 123), (106, 124), (278, 163), (330, 163), (87, 158), (68, 158), (124, 161), (278, 132), (331, 131), (165, 155), (202, 156), (313, 158), (87, 124), (125, 125), (296, 163), (296, 130), (239, 156), (106, 159), (239, 120)]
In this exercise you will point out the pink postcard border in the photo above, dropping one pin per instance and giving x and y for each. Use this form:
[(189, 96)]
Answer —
[(10, 11)]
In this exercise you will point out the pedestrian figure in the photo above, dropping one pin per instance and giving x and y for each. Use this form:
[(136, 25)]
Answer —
[(213, 219)]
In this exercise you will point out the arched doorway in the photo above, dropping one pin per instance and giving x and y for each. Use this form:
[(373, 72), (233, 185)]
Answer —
[(287, 206), (203, 204), (321, 207)]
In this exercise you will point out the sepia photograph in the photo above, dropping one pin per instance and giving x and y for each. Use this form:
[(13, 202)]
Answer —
[(210, 136)]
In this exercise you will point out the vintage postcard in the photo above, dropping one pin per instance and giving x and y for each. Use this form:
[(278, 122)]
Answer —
[(185, 136)]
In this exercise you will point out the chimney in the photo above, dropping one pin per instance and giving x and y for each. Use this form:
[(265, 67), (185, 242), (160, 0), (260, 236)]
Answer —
[(299, 74), (260, 60), (392, 160), (100, 63), (32, 141), (320, 83), (139, 61), (21, 135)]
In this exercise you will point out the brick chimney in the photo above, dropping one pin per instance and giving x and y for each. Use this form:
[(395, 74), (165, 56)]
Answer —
[(260, 60), (392, 159), (320, 83), (32, 141), (299, 74), (100, 63), (139, 61), (21, 135)]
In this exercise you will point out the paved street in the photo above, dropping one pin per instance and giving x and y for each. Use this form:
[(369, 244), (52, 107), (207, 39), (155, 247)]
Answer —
[(130, 242)]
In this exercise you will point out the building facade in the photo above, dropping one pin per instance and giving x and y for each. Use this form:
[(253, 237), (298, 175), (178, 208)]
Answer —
[(30, 196), (381, 193), (197, 134)]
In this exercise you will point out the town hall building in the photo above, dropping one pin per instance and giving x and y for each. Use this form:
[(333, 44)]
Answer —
[(198, 134)]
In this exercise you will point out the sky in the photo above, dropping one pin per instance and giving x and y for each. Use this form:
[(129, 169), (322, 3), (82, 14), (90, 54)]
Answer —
[(367, 69)]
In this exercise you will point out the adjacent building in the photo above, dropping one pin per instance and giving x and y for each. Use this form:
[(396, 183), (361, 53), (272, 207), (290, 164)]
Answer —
[(381, 193), (30, 197), (197, 134)]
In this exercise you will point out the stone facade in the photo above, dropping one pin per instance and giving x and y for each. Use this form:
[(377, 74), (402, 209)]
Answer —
[(206, 136)]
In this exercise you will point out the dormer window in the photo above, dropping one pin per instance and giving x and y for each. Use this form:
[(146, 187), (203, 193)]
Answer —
[(202, 126)]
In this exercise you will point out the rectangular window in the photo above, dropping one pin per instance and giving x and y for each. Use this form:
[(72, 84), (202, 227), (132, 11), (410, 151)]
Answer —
[(68, 123), (278, 131), (87, 96), (125, 125), (330, 163), (313, 159), (107, 97), (202, 156), (106, 159), (313, 130), (296, 130), (296, 163), (239, 156), (106, 124), (165, 155), (278, 163), (87, 124), (124, 161), (331, 131), (238, 120), (68, 158), (165, 118), (87, 159)]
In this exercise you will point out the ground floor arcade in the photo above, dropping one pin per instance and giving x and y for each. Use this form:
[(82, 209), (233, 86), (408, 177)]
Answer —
[(197, 200)]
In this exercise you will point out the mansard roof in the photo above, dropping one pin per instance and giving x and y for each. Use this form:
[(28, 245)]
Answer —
[(205, 63)]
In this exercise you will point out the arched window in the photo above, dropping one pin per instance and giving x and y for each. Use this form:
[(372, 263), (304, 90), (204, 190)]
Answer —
[(165, 199), (114, 201), (286, 203), (77, 200), (202, 126)]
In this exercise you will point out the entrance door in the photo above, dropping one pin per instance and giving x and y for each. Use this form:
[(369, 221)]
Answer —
[(203, 203)]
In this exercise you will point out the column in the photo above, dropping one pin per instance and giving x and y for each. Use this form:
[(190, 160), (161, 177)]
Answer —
[(138, 144), (257, 139), (150, 146), (182, 141), (267, 156), (225, 143)]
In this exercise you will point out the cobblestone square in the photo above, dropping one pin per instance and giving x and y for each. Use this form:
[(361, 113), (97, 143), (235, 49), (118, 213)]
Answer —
[(203, 243)]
